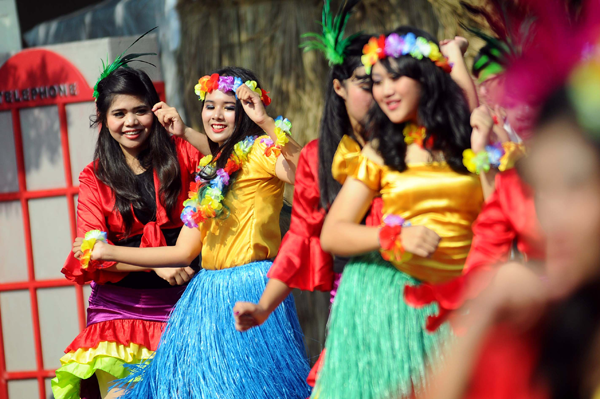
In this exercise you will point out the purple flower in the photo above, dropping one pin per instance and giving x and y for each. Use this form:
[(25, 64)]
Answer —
[(224, 176), (267, 141), (393, 220), (226, 83), (187, 217), (394, 45)]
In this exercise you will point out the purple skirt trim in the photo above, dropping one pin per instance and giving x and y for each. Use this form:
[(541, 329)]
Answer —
[(110, 302)]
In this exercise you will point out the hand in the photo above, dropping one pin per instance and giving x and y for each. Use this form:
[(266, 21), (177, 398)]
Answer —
[(175, 275), (253, 105), (248, 315), (77, 248), (419, 240), (459, 43), (169, 118), (482, 124), (516, 295)]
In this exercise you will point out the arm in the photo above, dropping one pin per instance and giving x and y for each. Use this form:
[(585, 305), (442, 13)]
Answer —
[(187, 248), (290, 153), (170, 119), (482, 124), (248, 315), (342, 232), (453, 50)]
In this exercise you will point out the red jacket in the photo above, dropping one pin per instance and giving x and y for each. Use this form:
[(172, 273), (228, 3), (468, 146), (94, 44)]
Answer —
[(95, 211)]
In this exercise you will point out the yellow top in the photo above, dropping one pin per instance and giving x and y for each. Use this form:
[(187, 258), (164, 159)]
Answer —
[(249, 231), (434, 196), (346, 159)]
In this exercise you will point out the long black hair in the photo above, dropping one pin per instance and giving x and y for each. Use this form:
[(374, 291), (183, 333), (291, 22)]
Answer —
[(335, 122), (443, 111), (244, 126), (110, 165)]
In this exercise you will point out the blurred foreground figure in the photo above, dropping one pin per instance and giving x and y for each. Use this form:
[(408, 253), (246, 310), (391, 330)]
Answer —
[(535, 331)]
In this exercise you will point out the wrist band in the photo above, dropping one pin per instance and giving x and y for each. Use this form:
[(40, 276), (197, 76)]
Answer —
[(283, 129), (88, 245), (390, 239), (502, 156)]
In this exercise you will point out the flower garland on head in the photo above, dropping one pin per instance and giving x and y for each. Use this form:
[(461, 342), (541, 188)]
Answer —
[(87, 246), (208, 84), (500, 155), (395, 46), (283, 128), (206, 196)]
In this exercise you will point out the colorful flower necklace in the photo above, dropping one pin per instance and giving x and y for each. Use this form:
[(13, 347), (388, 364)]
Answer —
[(205, 199), (416, 134)]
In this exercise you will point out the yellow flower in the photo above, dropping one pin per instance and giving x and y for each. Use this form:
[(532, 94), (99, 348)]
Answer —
[(205, 161), (512, 153)]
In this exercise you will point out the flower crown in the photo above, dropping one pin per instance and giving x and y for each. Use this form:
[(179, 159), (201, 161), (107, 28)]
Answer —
[(207, 84), (395, 46)]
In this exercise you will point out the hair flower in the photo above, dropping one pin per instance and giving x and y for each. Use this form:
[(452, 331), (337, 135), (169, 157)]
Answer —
[(226, 84), (373, 51), (394, 45)]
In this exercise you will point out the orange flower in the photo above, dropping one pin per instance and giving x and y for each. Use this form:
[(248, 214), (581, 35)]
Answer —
[(373, 51)]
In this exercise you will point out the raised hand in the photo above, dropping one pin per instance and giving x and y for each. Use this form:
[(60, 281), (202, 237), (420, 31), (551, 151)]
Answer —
[(482, 124), (169, 118), (253, 105)]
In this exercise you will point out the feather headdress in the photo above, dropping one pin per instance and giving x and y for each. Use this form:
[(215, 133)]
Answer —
[(121, 61), (512, 24), (331, 42)]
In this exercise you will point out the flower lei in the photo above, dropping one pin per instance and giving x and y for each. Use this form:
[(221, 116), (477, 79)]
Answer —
[(395, 46), (206, 196), (283, 128), (87, 246), (502, 156), (208, 84), (389, 239), (416, 134)]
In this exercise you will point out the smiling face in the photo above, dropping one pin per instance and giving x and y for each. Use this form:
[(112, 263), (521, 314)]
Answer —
[(564, 170), (129, 120), (218, 116), (397, 96)]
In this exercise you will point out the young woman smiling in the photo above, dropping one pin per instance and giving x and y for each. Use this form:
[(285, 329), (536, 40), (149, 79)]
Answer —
[(133, 191), (232, 219)]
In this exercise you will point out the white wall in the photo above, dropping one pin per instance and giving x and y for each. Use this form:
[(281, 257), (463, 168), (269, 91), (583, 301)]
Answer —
[(9, 27)]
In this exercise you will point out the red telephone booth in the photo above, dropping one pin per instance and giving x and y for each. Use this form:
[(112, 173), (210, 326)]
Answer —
[(45, 141)]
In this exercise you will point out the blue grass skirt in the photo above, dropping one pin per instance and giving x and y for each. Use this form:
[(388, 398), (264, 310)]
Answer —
[(201, 355)]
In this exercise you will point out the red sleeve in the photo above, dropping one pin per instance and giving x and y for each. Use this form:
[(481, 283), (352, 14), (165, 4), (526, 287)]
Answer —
[(89, 217), (189, 156), (301, 263), (493, 233)]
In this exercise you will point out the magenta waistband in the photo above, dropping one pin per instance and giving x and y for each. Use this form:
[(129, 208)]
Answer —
[(110, 302)]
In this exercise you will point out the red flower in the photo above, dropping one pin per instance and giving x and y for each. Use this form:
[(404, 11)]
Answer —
[(265, 97), (212, 83), (388, 236)]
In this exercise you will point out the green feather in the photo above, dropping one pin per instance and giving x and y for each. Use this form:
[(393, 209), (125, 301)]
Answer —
[(121, 61), (331, 42)]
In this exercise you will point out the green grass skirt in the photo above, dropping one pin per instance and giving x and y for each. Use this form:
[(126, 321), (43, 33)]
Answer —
[(377, 346)]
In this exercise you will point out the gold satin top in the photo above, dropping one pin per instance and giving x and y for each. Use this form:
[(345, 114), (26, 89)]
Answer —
[(434, 196), (250, 230), (346, 159)]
